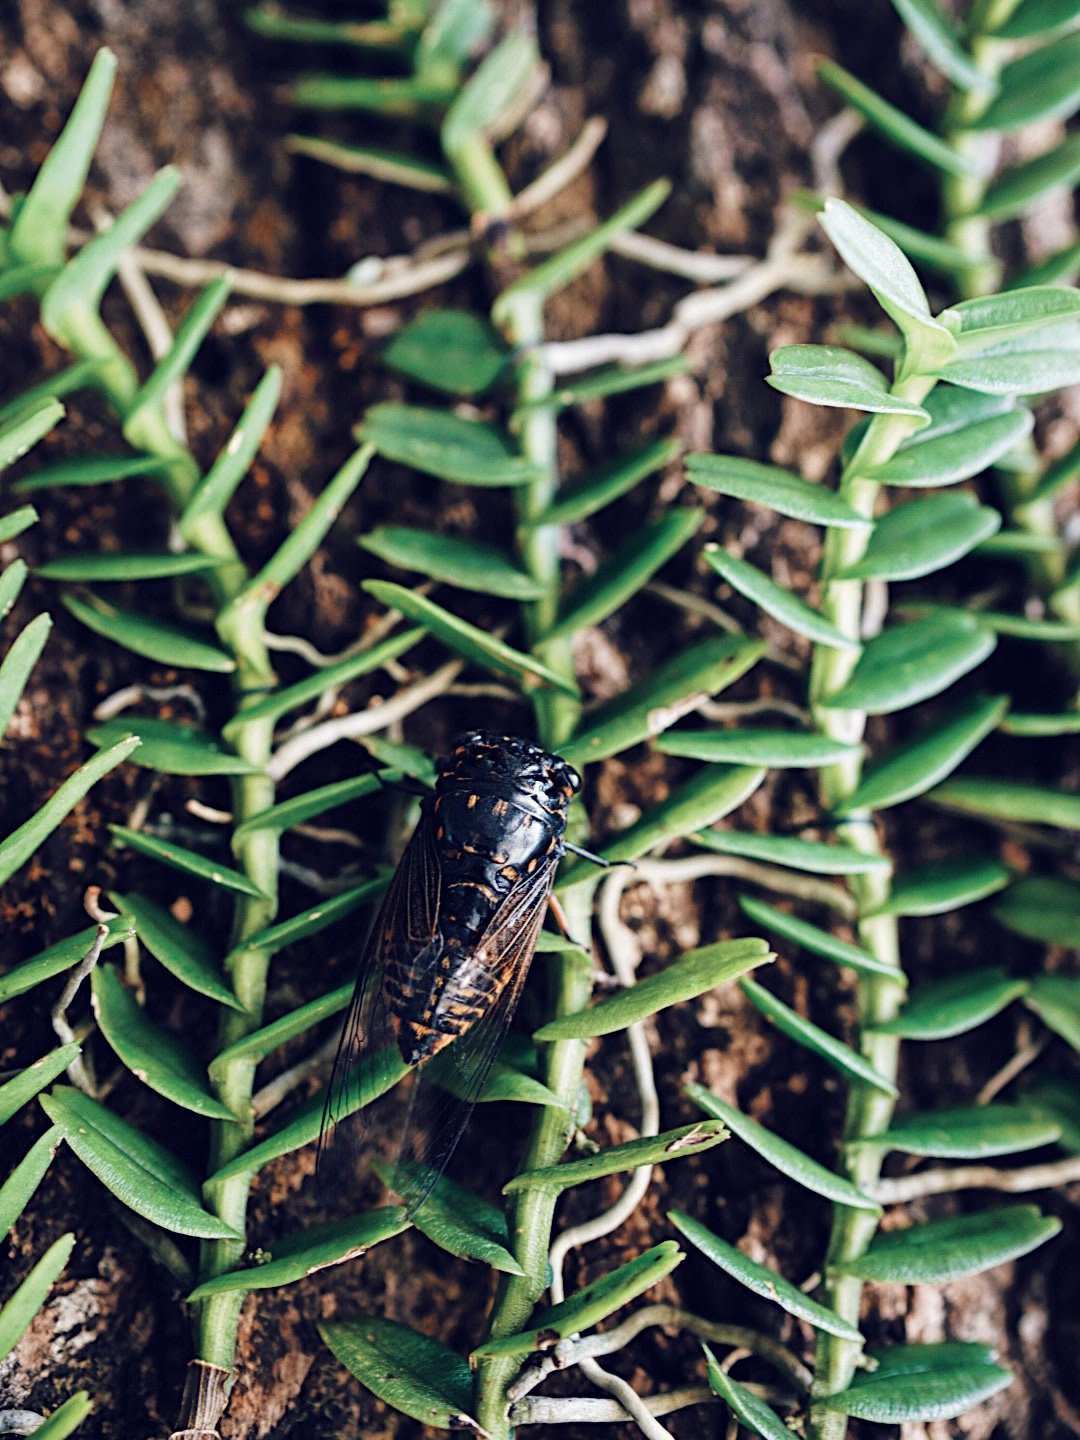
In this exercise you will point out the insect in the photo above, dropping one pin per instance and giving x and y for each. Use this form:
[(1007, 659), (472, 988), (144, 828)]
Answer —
[(444, 965)]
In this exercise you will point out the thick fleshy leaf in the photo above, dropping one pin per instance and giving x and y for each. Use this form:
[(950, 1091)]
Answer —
[(625, 571), (220, 481), (781, 604), (190, 861), (909, 663), (920, 1382), (1044, 84), (17, 847), (584, 497), (943, 1008), (437, 442), (137, 1170), (787, 1158), (27, 1083), (835, 1053), (778, 749), (257, 1044), (66, 1418), (922, 536), (769, 485), (17, 664), (20, 1185), (940, 456), (1042, 907), (818, 941), (1031, 310), (458, 1221), (1016, 189), (118, 566), (943, 886), (972, 1132), (649, 1150), (165, 644), (656, 702), (172, 748), (90, 470), (1010, 800), (62, 956), (761, 1279), (450, 350), (180, 948), (1056, 1001), (934, 31), (20, 1309), (1030, 364), (419, 1376), (155, 1057), (468, 640), (26, 427), (941, 1250), (691, 975), (749, 1409), (815, 856), (916, 765), (296, 1256), (454, 560), (317, 917), (827, 375), (589, 1305)]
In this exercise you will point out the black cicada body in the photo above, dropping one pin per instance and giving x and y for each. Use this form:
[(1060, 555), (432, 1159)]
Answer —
[(448, 954)]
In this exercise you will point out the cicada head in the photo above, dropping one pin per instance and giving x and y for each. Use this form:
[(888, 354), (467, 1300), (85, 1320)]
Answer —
[(517, 765)]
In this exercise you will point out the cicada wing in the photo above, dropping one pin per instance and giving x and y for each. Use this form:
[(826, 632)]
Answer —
[(448, 1086), (367, 1060)]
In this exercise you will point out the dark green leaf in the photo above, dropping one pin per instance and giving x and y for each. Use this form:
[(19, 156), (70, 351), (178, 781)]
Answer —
[(743, 1403), (934, 31), (611, 380), (1060, 1101), (1042, 907), (457, 1220), (24, 1179), (649, 1150), (804, 1032), (25, 428), (61, 956), (943, 1008), (942, 457), (172, 748), (818, 941), (774, 748), (91, 470), (1066, 722), (922, 536), (257, 1044), (920, 1382), (449, 558), (1044, 84), (1056, 477), (17, 1313), (827, 375), (586, 496), (941, 1250), (973, 1132), (178, 947), (418, 1376), (769, 485), (27, 1083), (450, 350), (448, 446), (413, 97), (166, 644), (1010, 800), (318, 917), (189, 861), (218, 484), (909, 663), (1056, 1001), (117, 566), (143, 417), (895, 125), (1037, 17), (781, 604), (943, 886), (1016, 189), (815, 856)]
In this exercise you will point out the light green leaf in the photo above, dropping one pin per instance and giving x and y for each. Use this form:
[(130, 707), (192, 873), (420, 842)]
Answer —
[(182, 951), (489, 92), (65, 1418), (1044, 84), (747, 1408), (318, 917), (989, 320), (220, 481), (257, 1044), (155, 1057), (1056, 477), (1061, 267), (688, 977), (1010, 800), (18, 663), (1030, 364), (827, 375), (61, 956), (26, 1177), (457, 1220), (649, 1150), (922, 536), (141, 1173), (143, 417), (769, 485), (315, 802), (414, 97), (411, 1372), (1042, 907), (944, 1008), (437, 442), (816, 856), (1037, 17), (586, 496), (590, 1304), (942, 456), (916, 765), (26, 427), (920, 1382), (610, 380), (189, 861), (934, 31), (17, 1313), (12, 579), (1056, 1001), (91, 470), (1016, 189), (943, 886), (818, 941), (172, 748), (1065, 722), (16, 522), (81, 375), (115, 566), (973, 1132), (804, 1032), (504, 1082), (27, 1083), (781, 604), (761, 1279), (452, 559), (941, 1250), (778, 749), (791, 1161), (909, 663), (296, 1256), (166, 644)]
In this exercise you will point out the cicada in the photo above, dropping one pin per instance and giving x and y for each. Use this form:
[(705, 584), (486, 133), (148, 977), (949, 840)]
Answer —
[(444, 965)]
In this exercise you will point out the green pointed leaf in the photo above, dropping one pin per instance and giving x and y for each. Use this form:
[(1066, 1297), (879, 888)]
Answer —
[(91, 470), (189, 861), (491, 90), (649, 1150), (469, 641), (920, 1382), (453, 560), (65, 1418), (172, 748), (1061, 267), (1056, 1001), (141, 1173), (586, 496), (25, 428), (827, 375), (934, 31), (627, 570), (17, 1313), (257, 1044), (17, 848), (453, 33), (12, 579), (1017, 544), (314, 802), (392, 167), (988, 320), (769, 485), (590, 1304), (16, 522), (944, 1008), (916, 765), (895, 125), (761, 1279), (778, 749), (24, 1179), (182, 951), (18, 663), (972, 1132), (922, 536), (318, 917), (804, 1032), (688, 977), (27, 1083), (220, 481), (815, 856), (1044, 84), (909, 663), (1066, 722), (1010, 800), (791, 1161), (142, 419), (1037, 17), (411, 1372), (155, 1057), (943, 886), (504, 1082), (1056, 477), (457, 1220), (1016, 189), (747, 1408), (1026, 627), (939, 456), (412, 97), (1059, 1100), (1029, 364), (610, 380), (166, 644), (108, 566), (942, 1250), (781, 604), (81, 375), (1042, 907), (818, 941), (61, 956), (437, 442), (294, 1257), (646, 709)]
